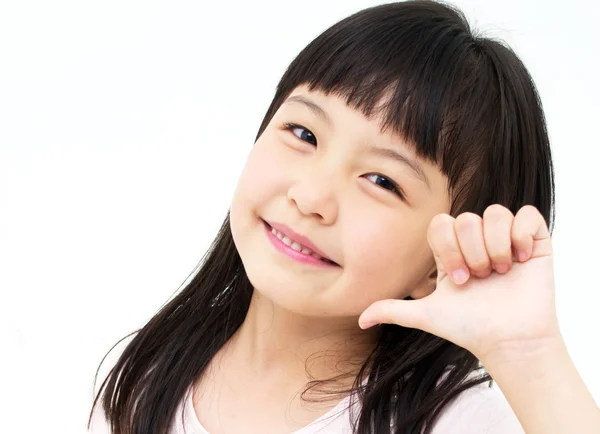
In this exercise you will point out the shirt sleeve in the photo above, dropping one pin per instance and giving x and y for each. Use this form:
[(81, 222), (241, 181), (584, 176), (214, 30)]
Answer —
[(478, 410)]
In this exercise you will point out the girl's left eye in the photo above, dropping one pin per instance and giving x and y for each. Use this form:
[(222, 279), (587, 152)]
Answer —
[(386, 183), (305, 134)]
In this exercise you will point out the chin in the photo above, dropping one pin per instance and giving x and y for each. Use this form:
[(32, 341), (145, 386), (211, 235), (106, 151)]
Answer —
[(284, 290), (302, 297)]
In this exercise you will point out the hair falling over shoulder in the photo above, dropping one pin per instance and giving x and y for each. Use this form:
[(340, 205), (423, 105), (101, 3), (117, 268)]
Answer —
[(466, 103)]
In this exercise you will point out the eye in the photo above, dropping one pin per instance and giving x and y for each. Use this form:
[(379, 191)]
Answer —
[(386, 184), (301, 132)]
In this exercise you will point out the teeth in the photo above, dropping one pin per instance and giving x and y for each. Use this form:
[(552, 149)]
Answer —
[(293, 244), (296, 246)]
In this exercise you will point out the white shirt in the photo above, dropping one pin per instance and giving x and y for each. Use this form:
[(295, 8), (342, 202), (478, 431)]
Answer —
[(478, 410)]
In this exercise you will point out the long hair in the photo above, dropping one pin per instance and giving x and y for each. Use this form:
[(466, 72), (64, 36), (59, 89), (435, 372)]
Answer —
[(464, 102)]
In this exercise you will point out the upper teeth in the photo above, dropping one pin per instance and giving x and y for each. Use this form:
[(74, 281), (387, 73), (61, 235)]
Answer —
[(293, 244)]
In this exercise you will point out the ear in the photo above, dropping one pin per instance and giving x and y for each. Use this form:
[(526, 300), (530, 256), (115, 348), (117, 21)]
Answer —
[(427, 285)]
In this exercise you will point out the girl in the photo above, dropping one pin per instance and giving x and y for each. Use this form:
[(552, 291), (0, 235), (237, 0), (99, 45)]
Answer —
[(401, 177)]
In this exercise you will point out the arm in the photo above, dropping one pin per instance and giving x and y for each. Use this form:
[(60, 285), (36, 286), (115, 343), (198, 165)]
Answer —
[(507, 319), (544, 389)]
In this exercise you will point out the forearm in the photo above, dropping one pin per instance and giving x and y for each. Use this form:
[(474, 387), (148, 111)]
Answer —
[(544, 389)]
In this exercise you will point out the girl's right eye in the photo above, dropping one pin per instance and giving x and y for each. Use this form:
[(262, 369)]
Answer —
[(302, 133)]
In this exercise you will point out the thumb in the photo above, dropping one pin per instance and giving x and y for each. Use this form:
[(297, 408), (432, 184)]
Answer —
[(405, 313)]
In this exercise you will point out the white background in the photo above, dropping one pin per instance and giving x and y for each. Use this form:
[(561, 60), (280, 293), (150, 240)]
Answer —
[(124, 126)]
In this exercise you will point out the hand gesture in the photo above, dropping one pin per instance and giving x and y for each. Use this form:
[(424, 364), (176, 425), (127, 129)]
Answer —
[(495, 283)]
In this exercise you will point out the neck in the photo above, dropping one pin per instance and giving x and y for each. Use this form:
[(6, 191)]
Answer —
[(274, 342)]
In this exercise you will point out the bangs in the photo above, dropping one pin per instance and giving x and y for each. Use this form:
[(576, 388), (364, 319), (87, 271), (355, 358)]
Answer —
[(421, 76)]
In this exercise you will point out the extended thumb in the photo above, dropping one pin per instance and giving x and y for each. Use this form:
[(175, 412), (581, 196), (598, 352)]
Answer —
[(405, 313)]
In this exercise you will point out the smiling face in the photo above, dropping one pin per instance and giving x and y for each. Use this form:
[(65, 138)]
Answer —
[(362, 198)]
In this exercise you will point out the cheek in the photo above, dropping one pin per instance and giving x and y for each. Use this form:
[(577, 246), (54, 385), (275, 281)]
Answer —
[(262, 176), (262, 181), (385, 257)]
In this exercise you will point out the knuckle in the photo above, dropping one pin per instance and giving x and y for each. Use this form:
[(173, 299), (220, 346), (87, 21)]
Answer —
[(496, 212), (467, 220), (440, 221), (531, 209), (528, 211), (438, 227)]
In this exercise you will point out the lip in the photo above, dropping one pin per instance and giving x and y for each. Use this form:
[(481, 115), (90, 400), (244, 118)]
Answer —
[(299, 239)]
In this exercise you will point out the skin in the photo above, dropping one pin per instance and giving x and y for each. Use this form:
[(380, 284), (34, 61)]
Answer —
[(303, 320), (507, 320)]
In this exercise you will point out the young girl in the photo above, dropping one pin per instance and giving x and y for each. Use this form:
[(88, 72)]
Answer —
[(387, 253)]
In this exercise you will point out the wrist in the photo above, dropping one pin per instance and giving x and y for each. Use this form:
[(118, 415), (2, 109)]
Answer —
[(543, 387), (523, 354)]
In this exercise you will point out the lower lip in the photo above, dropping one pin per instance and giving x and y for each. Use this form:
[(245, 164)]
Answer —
[(295, 255)]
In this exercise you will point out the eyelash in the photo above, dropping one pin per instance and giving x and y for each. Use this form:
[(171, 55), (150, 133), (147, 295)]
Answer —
[(288, 126)]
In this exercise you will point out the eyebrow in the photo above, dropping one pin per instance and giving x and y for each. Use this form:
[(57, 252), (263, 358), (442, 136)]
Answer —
[(396, 156), (312, 106), (382, 152)]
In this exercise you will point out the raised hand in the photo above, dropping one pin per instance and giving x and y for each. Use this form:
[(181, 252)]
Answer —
[(495, 283)]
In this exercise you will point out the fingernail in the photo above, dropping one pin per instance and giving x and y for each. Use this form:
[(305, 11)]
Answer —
[(368, 324), (459, 276), (522, 255), (501, 268)]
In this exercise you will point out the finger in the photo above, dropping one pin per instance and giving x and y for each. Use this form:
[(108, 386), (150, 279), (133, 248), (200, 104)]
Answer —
[(469, 232), (497, 226), (405, 313), (529, 230), (446, 251)]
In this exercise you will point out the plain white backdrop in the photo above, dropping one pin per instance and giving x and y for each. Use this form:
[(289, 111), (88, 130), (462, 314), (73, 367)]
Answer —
[(124, 126)]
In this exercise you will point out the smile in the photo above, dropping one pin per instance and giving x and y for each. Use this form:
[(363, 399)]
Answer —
[(295, 250)]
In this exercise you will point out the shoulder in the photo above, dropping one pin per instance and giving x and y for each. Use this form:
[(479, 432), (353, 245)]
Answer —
[(479, 409)]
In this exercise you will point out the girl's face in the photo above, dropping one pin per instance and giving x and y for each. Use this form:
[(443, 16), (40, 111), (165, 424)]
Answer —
[(363, 199)]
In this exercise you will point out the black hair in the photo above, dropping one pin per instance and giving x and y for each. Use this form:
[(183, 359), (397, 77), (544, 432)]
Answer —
[(463, 101)]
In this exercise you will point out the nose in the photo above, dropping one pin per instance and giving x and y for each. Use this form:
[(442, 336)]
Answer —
[(313, 194)]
